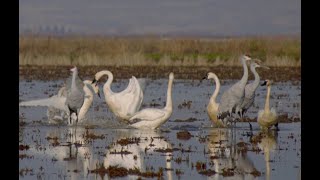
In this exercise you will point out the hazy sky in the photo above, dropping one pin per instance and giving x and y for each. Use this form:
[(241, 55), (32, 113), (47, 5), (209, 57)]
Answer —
[(222, 17)]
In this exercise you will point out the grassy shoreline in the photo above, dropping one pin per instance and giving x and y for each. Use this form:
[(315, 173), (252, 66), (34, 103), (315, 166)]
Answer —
[(156, 51)]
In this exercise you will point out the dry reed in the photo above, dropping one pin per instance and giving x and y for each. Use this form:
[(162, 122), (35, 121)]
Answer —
[(144, 51)]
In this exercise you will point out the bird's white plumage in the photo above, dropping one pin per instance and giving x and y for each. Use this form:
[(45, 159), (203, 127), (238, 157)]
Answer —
[(57, 109), (267, 117), (213, 106), (149, 114), (152, 118), (125, 103)]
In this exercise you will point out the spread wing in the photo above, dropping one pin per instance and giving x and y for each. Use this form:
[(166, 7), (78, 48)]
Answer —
[(54, 101), (129, 99)]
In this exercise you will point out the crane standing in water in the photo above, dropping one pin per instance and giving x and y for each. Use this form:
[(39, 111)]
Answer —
[(232, 98)]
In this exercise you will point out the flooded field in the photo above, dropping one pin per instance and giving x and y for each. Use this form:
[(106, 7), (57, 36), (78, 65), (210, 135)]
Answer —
[(185, 147)]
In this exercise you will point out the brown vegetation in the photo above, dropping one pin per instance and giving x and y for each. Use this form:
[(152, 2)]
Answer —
[(142, 51)]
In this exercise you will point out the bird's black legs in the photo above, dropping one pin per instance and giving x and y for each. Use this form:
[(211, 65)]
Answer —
[(250, 126), (76, 117), (70, 119), (277, 127)]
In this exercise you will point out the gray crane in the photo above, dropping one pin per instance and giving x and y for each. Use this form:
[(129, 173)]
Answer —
[(250, 90), (75, 94), (57, 110), (232, 98)]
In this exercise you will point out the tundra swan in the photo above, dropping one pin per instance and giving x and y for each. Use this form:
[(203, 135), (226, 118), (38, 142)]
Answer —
[(212, 108), (125, 103), (152, 118), (267, 117)]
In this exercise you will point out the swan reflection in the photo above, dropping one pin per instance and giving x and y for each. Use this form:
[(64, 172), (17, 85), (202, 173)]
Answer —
[(267, 142), (229, 156), (138, 149), (76, 152)]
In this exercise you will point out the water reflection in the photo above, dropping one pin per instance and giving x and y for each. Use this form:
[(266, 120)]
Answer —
[(142, 151), (75, 150), (228, 156), (267, 142), (72, 149)]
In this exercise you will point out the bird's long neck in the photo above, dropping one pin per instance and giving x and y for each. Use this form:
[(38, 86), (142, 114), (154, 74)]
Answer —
[(244, 78), (217, 89), (267, 158), (87, 101), (169, 95), (73, 82), (107, 85), (266, 106), (256, 77)]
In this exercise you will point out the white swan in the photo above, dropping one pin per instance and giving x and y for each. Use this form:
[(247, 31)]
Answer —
[(267, 117), (125, 103), (213, 106), (57, 109), (152, 118)]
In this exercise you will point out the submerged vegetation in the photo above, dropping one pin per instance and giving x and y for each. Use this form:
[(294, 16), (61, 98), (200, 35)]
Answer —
[(145, 51)]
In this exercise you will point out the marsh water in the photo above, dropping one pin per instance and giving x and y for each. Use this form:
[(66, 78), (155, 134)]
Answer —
[(51, 151)]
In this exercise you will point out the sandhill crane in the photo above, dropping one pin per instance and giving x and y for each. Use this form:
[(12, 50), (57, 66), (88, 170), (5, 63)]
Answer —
[(232, 98), (250, 90), (75, 94)]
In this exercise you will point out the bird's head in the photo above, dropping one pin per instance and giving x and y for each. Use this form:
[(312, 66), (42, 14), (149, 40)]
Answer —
[(171, 75), (267, 82), (73, 69)]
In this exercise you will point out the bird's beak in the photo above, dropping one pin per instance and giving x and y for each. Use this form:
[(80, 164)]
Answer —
[(264, 83), (203, 78), (257, 61), (99, 94), (93, 81), (248, 58), (266, 67)]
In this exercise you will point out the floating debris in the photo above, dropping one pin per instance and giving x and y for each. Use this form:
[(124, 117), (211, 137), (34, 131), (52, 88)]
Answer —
[(256, 173), (23, 147), (88, 135), (208, 172), (126, 141), (22, 156), (227, 172), (191, 119), (184, 135)]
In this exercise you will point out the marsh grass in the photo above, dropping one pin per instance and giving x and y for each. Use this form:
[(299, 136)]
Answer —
[(131, 51)]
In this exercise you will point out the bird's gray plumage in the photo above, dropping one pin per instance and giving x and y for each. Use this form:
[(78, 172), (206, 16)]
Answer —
[(75, 94), (79, 82), (232, 98), (250, 89)]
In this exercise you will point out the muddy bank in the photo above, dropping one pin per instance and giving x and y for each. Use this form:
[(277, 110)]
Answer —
[(154, 72)]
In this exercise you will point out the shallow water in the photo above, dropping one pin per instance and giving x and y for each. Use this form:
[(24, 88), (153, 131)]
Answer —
[(70, 148)]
